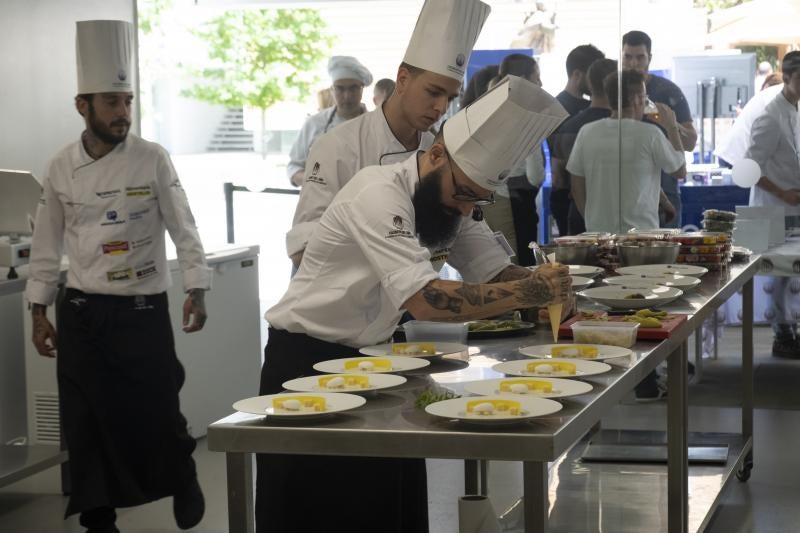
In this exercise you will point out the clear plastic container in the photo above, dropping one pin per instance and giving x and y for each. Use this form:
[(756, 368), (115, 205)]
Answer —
[(602, 332), (423, 331)]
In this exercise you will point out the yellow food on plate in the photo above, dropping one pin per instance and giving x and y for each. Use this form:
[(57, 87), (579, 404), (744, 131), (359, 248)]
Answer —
[(575, 350), (489, 407), (299, 403), (346, 381), (544, 367), (368, 363), (524, 386), (408, 348)]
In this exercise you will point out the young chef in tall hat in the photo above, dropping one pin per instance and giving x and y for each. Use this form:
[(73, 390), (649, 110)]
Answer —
[(368, 261), (106, 202), (427, 79), (348, 79)]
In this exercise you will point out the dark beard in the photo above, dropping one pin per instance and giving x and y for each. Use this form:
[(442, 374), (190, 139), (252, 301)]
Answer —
[(435, 223), (104, 133)]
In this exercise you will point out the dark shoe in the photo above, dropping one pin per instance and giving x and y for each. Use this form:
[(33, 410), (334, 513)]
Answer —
[(112, 529), (189, 506), (650, 390), (99, 520), (786, 348)]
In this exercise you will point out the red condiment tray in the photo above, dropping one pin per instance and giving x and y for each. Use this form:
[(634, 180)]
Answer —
[(668, 325)]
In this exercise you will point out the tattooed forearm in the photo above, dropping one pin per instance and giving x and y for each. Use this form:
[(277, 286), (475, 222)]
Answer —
[(534, 292), (471, 293), (38, 310), (482, 294), (511, 273), (439, 299)]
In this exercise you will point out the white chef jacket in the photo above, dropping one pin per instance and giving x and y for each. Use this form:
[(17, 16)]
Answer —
[(735, 144), (364, 261), (774, 146), (109, 216), (335, 158), (313, 127)]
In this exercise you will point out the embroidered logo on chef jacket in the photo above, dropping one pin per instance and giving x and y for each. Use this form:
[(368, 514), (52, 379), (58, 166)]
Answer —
[(314, 177), (116, 247), (460, 60), (120, 275), (146, 270), (122, 75), (440, 255), (136, 215), (112, 219), (141, 243), (107, 194), (144, 190), (399, 230)]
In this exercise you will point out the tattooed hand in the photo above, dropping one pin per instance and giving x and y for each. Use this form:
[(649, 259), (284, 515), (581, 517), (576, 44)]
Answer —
[(548, 284), (195, 308), (44, 334)]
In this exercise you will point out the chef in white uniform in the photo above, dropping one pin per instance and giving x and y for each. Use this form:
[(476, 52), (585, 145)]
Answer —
[(348, 79), (429, 77), (775, 146), (733, 147), (367, 262), (106, 202)]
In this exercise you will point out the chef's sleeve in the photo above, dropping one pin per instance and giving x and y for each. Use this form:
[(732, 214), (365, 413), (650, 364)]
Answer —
[(46, 248), (475, 253), (382, 224), (299, 151), (765, 135), (328, 167), (174, 208)]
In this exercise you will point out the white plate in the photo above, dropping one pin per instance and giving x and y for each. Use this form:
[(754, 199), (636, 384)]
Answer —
[(686, 270), (579, 270), (580, 283), (529, 408), (616, 296), (542, 351), (583, 368), (399, 364), (685, 283), (376, 382), (335, 402), (442, 348), (561, 388)]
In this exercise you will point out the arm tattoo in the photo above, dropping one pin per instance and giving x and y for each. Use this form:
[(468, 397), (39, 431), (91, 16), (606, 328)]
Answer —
[(439, 299), (471, 293), (511, 273), (494, 294), (534, 292)]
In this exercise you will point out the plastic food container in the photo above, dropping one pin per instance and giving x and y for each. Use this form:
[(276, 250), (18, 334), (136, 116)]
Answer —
[(601, 332), (715, 214), (701, 238), (718, 225), (702, 258), (704, 249), (422, 331)]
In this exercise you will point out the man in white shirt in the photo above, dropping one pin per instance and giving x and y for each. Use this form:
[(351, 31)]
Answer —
[(428, 78), (106, 202), (733, 147), (615, 196), (774, 146), (369, 260), (348, 79)]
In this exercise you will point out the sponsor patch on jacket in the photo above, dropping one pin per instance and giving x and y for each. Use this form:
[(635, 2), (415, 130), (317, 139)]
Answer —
[(144, 190), (136, 215), (140, 243), (399, 229), (107, 194), (314, 177), (116, 247), (440, 255), (146, 270), (120, 275), (112, 218)]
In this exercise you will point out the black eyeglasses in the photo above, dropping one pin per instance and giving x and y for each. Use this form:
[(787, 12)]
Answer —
[(463, 194)]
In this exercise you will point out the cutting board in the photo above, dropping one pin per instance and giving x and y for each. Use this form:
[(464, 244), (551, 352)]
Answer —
[(668, 325)]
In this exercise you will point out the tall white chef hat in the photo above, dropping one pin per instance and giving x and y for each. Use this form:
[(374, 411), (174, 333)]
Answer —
[(496, 132), (105, 56), (348, 68), (445, 33)]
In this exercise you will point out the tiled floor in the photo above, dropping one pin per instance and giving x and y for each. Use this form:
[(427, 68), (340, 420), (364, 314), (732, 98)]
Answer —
[(768, 503)]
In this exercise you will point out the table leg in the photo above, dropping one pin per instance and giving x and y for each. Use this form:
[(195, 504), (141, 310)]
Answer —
[(715, 326), (241, 518), (677, 436), (471, 474), (483, 467), (535, 497), (698, 354), (747, 375)]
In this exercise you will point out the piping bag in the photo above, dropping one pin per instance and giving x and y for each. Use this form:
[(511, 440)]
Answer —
[(554, 310)]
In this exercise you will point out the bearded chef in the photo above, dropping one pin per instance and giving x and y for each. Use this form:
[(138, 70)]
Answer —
[(427, 80), (106, 202), (368, 261)]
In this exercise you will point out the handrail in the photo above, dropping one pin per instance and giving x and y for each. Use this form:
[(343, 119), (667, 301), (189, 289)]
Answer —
[(229, 188)]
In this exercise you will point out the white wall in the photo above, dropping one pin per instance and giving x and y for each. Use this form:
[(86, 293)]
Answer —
[(38, 79)]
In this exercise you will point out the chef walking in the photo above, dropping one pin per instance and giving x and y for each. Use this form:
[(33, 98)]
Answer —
[(427, 80), (106, 202), (348, 79), (368, 261)]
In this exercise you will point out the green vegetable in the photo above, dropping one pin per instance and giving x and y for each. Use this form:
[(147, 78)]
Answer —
[(429, 396)]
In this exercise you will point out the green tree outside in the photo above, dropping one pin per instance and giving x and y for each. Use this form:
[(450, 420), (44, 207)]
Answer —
[(259, 58)]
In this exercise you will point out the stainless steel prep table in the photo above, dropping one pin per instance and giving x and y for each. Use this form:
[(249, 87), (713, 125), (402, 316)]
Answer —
[(390, 426)]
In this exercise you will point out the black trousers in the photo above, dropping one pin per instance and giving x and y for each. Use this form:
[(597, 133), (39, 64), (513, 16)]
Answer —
[(576, 223), (559, 208), (523, 208), (305, 493), (118, 383)]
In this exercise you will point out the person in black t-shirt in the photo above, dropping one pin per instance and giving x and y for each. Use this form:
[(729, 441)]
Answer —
[(578, 62), (636, 55)]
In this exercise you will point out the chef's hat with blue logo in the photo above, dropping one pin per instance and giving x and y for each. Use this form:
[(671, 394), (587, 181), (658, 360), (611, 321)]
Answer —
[(496, 132), (104, 51), (445, 33)]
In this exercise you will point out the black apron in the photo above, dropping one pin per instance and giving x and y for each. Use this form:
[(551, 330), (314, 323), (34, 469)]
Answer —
[(292, 491), (118, 383)]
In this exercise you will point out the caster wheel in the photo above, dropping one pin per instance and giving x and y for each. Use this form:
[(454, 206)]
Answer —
[(743, 474)]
